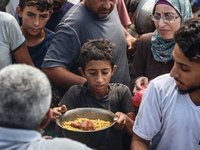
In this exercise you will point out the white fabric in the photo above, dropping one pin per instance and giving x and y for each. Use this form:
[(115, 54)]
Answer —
[(11, 7), (169, 119), (17, 139), (11, 38)]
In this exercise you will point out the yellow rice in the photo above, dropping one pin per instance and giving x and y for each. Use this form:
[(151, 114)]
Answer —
[(99, 124)]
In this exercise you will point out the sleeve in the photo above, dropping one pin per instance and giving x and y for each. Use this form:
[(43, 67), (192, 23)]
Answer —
[(140, 59), (123, 13), (148, 119), (65, 48), (15, 36)]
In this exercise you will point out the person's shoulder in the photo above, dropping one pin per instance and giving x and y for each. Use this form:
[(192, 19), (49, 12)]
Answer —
[(146, 35), (118, 87), (6, 17), (49, 32), (164, 81), (64, 143), (74, 13), (75, 88)]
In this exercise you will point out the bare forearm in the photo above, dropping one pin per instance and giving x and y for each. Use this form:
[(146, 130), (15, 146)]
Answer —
[(138, 143), (129, 123), (63, 78)]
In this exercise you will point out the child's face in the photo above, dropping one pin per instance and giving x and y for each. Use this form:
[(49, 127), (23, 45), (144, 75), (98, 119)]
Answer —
[(33, 21), (98, 74)]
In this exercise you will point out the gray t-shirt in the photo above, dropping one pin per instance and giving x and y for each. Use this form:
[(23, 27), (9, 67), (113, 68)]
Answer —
[(11, 38), (77, 27)]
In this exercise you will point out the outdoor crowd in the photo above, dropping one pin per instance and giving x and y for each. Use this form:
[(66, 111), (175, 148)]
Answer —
[(58, 55)]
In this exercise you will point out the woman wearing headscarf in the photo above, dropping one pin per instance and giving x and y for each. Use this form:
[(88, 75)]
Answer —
[(154, 53)]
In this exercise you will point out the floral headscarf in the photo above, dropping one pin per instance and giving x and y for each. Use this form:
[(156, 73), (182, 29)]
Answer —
[(162, 49)]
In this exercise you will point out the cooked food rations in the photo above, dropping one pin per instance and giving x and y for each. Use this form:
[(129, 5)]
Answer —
[(84, 124)]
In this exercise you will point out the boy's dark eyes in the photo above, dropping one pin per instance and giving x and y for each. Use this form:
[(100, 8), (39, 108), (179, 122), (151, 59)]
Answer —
[(184, 69), (44, 16), (93, 73), (105, 72)]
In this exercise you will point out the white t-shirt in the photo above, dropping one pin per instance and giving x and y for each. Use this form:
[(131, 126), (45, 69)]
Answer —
[(11, 38), (169, 120)]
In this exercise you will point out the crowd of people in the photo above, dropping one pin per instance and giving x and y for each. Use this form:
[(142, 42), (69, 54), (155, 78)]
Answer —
[(56, 55)]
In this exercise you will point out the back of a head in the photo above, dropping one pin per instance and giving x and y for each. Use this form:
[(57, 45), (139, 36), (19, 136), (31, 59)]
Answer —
[(97, 49), (133, 5), (25, 96), (188, 38), (42, 5)]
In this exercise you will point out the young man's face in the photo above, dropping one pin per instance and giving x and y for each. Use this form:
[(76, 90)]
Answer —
[(185, 72), (98, 74), (100, 8), (33, 21)]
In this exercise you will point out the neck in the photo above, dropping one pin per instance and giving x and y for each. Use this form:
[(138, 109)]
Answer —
[(33, 40), (195, 97)]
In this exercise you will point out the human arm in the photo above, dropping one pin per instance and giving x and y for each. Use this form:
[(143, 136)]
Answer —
[(124, 121), (62, 77), (139, 82), (139, 66), (22, 55), (57, 111), (131, 42), (123, 14), (138, 143)]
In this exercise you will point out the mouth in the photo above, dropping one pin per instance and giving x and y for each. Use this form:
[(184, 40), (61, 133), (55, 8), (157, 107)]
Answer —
[(163, 31), (99, 87), (178, 83)]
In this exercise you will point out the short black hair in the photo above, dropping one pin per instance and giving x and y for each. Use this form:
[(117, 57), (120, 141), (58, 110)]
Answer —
[(42, 5), (188, 39), (133, 5), (97, 49)]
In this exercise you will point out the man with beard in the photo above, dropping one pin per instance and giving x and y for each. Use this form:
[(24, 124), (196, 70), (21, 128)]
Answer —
[(169, 115), (60, 8), (87, 20)]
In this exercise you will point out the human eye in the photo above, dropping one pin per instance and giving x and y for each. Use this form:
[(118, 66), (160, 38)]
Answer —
[(105, 72), (92, 73), (44, 16), (184, 69), (169, 18), (157, 17), (30, 15)]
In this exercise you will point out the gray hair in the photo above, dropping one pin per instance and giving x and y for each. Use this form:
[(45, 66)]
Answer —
[(25, 96)]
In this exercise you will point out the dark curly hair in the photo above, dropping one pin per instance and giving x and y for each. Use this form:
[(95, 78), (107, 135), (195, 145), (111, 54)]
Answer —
[(188, 39), (97, 49), (42, 5)]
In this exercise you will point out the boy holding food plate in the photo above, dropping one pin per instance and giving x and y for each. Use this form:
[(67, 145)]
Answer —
[(97, 66)]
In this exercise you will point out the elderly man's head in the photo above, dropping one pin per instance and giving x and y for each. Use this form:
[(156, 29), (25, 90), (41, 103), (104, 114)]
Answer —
[(25, 97)]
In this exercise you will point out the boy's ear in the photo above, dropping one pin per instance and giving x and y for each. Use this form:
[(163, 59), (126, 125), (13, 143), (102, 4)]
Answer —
[(47, 119), (50, 13), (19, 12), (81, 71), (114, 68)]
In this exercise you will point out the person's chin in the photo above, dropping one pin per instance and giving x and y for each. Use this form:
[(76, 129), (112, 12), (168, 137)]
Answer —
[(186, 91)]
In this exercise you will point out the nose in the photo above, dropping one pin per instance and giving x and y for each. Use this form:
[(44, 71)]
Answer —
[(174, 72), (99, 78), (36, 21), (162, 22), (107, 4)]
